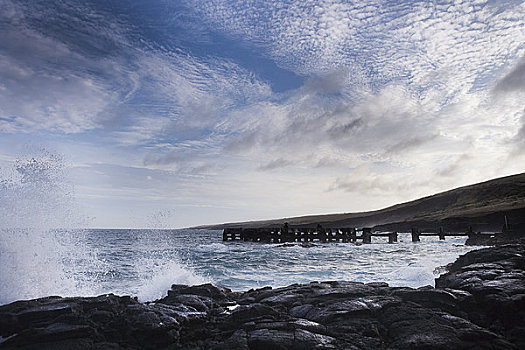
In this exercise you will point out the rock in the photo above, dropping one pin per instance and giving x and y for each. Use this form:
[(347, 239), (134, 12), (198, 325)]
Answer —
[(283, 298), (432, 298), (264, 339), (377, 284), (285, 245), (304, 339), (302, 245), (420, 328), (246, 313), (205, 290), (496, 239), (238, 340), (309, 326), (72, 323), (494, 279), (198, 303)]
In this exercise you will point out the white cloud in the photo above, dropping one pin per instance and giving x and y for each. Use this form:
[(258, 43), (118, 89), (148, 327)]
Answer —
[(397, 97), (68, 78), (456, 45)]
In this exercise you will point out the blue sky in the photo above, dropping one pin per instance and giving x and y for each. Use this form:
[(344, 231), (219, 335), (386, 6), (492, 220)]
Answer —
[(202, 112)]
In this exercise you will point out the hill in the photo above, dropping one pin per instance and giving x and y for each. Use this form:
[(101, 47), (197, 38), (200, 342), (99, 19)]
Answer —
[(483, 206)]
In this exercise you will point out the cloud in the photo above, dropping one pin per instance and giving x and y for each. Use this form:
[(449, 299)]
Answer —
[(165, 159), (49, 83), (329, 162), (410, 143), (345, 129), (367, 96), (363, 180), (457, 167), (331, 83), (460, 42), (519, 139), (310, 128), (513, 80), (72, 67), (276, 164)]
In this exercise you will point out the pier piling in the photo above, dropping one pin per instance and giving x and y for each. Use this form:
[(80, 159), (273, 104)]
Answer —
[(415, 234), (367, 235), (441, 233), (392, 237)]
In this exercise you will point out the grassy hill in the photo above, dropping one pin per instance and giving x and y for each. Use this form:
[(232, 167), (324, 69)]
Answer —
[(482, 206)]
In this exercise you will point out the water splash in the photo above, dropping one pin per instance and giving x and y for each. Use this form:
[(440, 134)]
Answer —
[(157, 278), (159, 268), (40, 247), (34, 194)]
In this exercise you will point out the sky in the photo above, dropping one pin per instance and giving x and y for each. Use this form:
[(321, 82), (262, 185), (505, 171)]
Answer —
[(188, 112)]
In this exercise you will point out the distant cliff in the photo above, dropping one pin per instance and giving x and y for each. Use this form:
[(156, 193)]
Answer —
[(483, 206)]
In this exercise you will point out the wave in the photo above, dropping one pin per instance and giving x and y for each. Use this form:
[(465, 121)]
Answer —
[(36, 258), (155, 282)]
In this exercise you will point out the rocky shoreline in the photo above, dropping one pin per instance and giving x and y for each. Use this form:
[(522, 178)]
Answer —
[(478, 304)]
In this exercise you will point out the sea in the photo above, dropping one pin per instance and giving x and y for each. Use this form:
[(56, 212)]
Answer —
[(144, 263), (36, 259)]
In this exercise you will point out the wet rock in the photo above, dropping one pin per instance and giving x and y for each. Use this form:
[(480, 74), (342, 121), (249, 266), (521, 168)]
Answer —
[(494, 279), (238, 340), (204, 290), (246, 313), (199, 303), (304, 339), (420, 328), (263, 339), (284, 298), (432, 298)]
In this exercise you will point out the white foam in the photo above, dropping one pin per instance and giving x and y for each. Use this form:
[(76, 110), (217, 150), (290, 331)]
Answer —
[(411, 276), (156, 279), (216, 247)]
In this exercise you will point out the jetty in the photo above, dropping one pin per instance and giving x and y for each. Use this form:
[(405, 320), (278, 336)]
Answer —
[(286, 234)]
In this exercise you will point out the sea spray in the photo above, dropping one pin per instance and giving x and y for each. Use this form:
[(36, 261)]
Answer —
[(157, 279), (159, 263), (40, 248)]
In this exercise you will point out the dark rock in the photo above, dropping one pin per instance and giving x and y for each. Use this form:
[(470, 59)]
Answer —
[(308, 245), (246, 313), (264, 339), (377, 284), (420, 328), (304, 339), (238, 340), (494, 279), (496, 239), (199, 303), (432, 298), (204, 290), (284, 298), (311, 326), (285, 245)]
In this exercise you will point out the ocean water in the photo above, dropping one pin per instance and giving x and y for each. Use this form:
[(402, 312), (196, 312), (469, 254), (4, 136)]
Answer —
[(144, 263), (39, 260)]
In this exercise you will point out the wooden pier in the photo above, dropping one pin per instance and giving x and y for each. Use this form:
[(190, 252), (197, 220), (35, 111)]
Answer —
[(286, 234)]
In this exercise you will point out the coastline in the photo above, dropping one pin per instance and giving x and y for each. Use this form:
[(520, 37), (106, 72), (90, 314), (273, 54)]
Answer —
[(479, 303)]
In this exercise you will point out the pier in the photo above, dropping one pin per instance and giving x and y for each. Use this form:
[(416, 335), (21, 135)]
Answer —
[(286, 234)]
